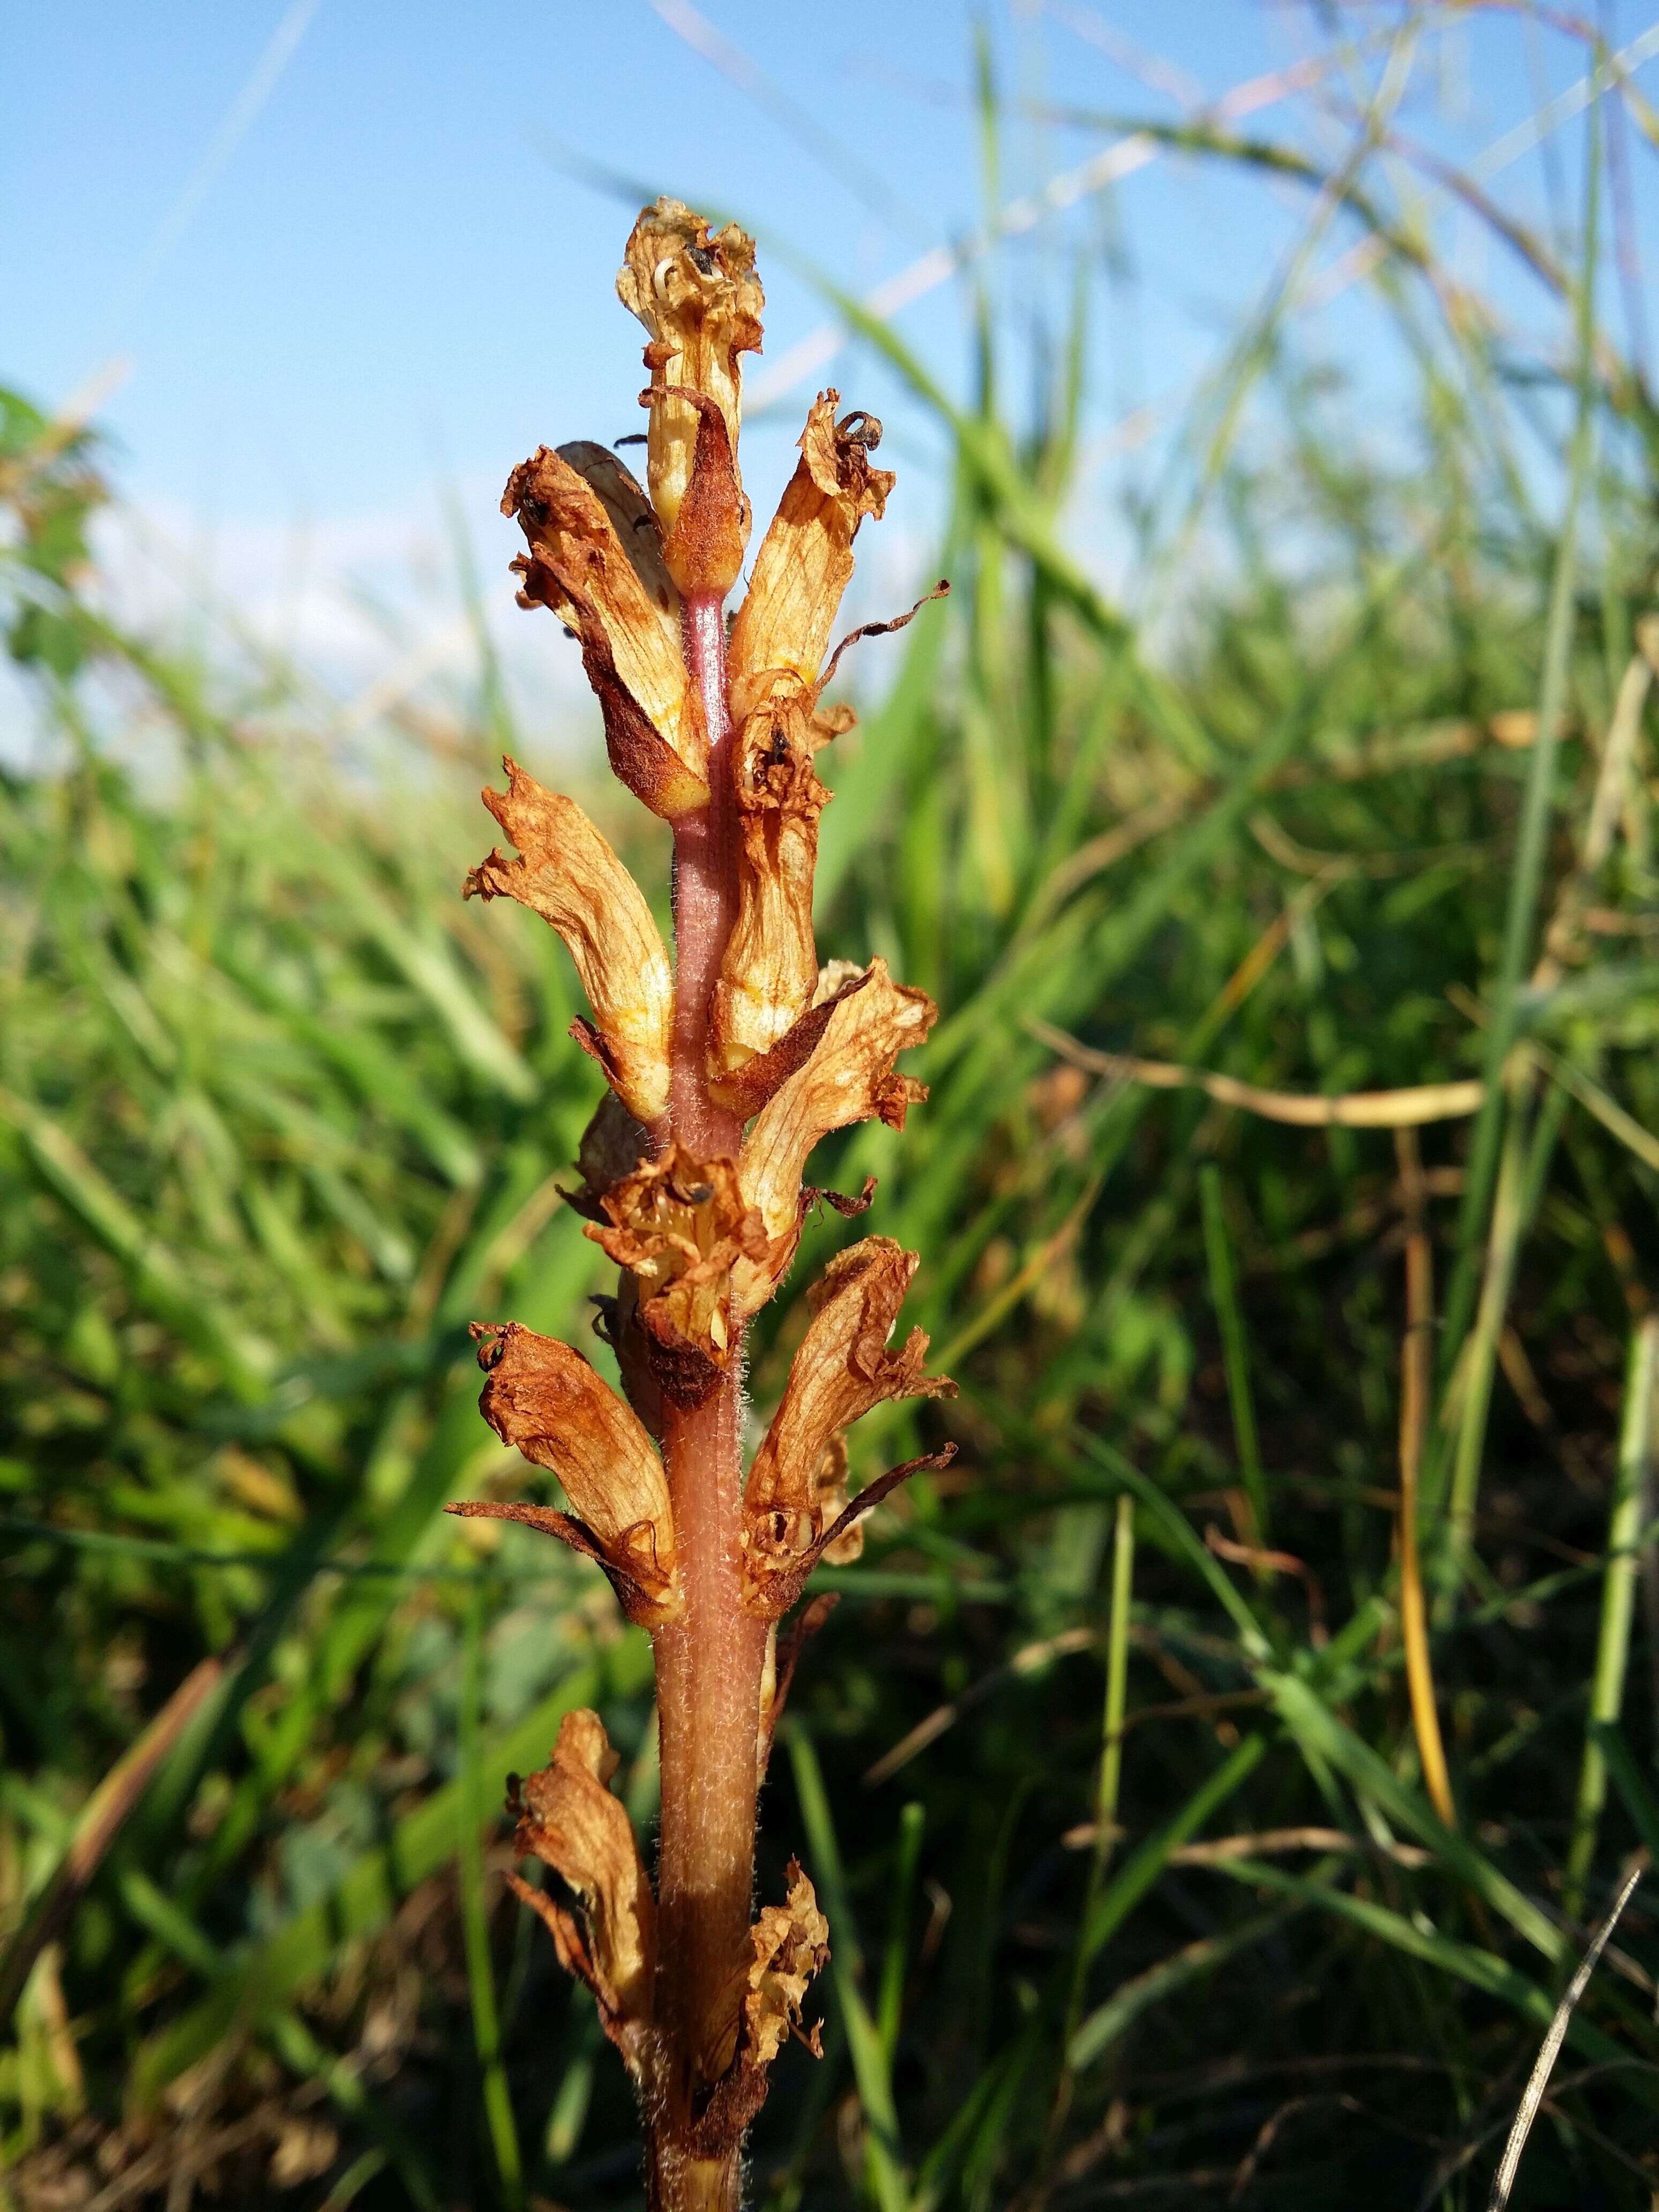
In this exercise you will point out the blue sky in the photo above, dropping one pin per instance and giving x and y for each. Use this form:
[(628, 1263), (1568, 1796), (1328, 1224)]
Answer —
[(337, 250)]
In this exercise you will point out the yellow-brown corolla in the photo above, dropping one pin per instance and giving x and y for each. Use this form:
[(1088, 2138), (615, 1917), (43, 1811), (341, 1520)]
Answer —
[(723, 1073)]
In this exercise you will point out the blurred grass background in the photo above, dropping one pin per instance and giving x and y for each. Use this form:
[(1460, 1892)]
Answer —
[(1296, 944)]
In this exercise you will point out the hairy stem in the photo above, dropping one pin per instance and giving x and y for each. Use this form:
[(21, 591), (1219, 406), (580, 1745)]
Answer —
[(705, 896), (709, 1661)]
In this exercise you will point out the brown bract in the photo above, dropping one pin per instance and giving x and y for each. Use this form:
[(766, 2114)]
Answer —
[(697, 295), (680, 1224), (805, 558), (567, 1818), (849, 1076), (842, 1368), (544, 1400), (595, 560), (566, 873), (704, 549)]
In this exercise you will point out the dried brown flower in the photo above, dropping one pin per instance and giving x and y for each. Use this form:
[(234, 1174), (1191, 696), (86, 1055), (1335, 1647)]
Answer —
[(594, 559), (792, 1944), (697, 295), (545, 1401), (769, 970), (849, 1078), (805, 559), (567, 1818), (680, 1225), (842, 1369), (566, 873)]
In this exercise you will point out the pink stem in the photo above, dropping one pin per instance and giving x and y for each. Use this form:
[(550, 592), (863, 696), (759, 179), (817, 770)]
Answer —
[(708, 1662), (705, 896)]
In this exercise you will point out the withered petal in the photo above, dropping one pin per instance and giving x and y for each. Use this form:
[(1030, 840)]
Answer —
[(792, 1944), (842, 1368), (632, 518), (568, 1818), (797, 1485), (610, 594), (697, 295), (769, 970), (849, 1078), (805, 558), (542, 1398), (568, 873)]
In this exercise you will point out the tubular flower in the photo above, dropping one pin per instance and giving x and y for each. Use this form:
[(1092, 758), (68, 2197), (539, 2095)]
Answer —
[(679, 1227), (805, 559), (568, 874), (697, 295), (770, 969), (544, 1400), (842, 1368), (849, 1076), (724, 1072), (567, 1818), (595, 559)]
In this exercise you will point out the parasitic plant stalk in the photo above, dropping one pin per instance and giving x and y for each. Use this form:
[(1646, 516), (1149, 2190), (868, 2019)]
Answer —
[(724, 1070)]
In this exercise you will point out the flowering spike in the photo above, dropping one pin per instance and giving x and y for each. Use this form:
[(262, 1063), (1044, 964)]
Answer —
[(702, 1220)]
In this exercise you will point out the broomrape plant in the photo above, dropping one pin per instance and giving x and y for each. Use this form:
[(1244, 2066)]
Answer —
[(725, 1070)]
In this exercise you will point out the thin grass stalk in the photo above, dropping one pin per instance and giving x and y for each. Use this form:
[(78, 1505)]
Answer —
[(1108, 1777), (1416, 1385), (1632, 1477), (1235, 1349), (889, 2004), (1470, 1394), (887, 2182), (1509, 2165), (1527, 875)]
